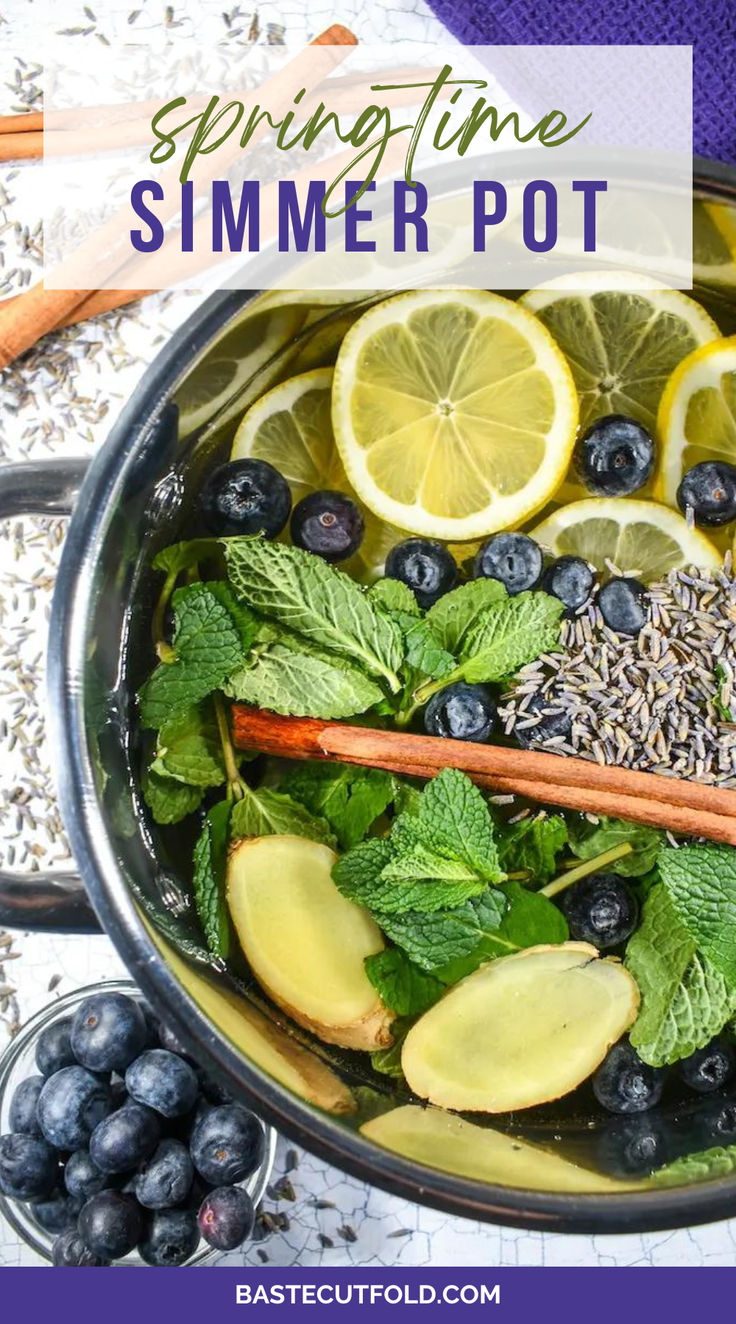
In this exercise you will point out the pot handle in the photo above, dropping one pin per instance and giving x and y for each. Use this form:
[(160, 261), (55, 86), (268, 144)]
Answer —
[(46, 901)]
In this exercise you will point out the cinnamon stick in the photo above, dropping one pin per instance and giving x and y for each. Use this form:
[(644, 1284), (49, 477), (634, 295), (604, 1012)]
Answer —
[(642, 797), (28, 122), (96, 303)]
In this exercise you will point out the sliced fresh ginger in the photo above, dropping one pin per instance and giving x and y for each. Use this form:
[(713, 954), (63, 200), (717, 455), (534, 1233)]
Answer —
[(304, 942), (521, 1030), (441, 1140), (262, 1042)]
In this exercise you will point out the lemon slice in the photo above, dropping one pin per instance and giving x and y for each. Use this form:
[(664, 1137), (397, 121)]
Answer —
[(622, 337), (454, 412), (291, 427), (224, 381), (697, 414), (639, 537), (714, 243)]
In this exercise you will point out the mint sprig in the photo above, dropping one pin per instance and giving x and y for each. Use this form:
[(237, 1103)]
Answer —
[(685, 1000), (506, 635), (701, 884), (312, 599), (267, 812), (349, 798), (212, 633), (210, 858)]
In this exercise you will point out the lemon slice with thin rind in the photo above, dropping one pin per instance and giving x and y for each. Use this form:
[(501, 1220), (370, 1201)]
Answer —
[(697, 414), (291, 427), (622, 335), (454, 412), (639, 537)]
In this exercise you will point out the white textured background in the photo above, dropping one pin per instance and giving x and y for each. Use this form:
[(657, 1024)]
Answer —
[(62, 400)]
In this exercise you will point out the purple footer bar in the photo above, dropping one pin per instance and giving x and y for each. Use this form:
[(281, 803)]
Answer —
[(253, 1294)]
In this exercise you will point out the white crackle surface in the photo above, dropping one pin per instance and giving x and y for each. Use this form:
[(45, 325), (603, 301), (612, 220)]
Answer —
[(68, 410)]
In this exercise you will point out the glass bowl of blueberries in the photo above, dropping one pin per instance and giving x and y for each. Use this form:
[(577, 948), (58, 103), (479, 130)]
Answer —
[(115, 1148)]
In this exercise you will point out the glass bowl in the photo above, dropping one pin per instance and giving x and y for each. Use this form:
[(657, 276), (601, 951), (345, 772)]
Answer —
[(18, 1062)]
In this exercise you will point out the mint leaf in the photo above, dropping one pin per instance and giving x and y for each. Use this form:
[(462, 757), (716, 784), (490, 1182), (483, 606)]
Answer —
[(587, 841), (392, 595), (210, 858), (526, 919), (189, 748), (209, 644), (422, 651), (361, 876), (433, 940), (453, 823), (182, 555), (685, 1001), (168, 800), (264, 813), (705, 1166), (306, 595), (701, 883), (417, 862), (401, 985), (532, 846), (358, 872), (350, 799), (509, 634), (456, 615), (291, 678)]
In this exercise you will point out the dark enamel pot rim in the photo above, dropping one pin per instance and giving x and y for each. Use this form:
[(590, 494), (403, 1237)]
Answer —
[(316, 1131)]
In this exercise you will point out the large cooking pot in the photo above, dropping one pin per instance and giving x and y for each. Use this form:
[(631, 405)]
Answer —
[(131, 501)]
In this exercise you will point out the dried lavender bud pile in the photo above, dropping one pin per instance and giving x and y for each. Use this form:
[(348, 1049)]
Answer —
[(662, 702)]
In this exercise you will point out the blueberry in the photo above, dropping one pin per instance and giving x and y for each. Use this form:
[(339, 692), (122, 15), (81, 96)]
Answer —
[(70, 1252), (708, 1068), (570, 579), (165, 1180), (512, 558), (29, 1168), (59, 1212), (634, 1146), (623, 605), (110, 1224), (163, 1081), (70, 1105), (245, 497), (226, 1217), (462, 712), (125, 1139), (426, 567), (108, 1031), (625, 1084), (171, 1237), (328, 524), (715, 1123), (227, 1144), (601, 910), (53, 1047), (552, 722), (709, 491), (22, 1115), (82, 1177), (614, 456)]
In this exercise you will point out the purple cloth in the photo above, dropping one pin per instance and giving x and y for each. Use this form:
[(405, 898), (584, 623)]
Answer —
[(709, 26)]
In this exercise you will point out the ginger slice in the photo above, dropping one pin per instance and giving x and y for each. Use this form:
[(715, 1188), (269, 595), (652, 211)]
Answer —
[(304, 942), (442, 1140), (520, 1031)]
